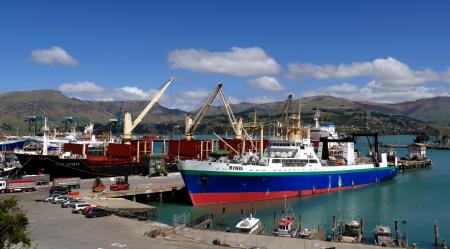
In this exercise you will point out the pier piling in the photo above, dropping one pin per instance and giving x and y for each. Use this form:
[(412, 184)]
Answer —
[(436, 234), (274, 221), (397, 235), (299, 221), (361, 230), (334, 227)]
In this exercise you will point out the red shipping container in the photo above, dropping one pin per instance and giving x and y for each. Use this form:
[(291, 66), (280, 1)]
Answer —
[(120, 150), (76, 148)]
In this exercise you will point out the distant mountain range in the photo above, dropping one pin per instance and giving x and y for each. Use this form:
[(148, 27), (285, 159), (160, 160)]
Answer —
[(16, 106)]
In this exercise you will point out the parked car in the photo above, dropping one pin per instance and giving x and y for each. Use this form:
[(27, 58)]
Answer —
[(86, 210), (69, 203), (78, 207), (59, 199), (96, 212), (51, 197)]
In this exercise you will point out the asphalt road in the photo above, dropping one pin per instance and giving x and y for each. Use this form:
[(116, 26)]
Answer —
[(53, 227)]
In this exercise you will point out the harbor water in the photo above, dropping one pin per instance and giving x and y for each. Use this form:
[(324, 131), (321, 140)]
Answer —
[(416, 199)]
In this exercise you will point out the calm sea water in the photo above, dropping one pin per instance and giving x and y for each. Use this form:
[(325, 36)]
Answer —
[(420, 197)]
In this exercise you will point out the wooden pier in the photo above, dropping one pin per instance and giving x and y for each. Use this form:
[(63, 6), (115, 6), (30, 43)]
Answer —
[(414, 164), (145, 190)]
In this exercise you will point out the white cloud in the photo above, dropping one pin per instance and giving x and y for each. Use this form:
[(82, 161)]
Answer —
[(389, 71), (261, 99), (187, 100), (87, 90), (266, 83), (53, 55), (237, 62), (374, 91), (77, 87)]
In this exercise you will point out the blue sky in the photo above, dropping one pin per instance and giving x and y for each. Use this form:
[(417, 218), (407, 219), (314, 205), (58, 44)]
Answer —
[(388, 51)]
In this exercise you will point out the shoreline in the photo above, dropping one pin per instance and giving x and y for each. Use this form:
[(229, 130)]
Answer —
[(54, 227)]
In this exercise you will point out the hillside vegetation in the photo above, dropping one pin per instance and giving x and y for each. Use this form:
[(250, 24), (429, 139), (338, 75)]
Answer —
[(431, 114)]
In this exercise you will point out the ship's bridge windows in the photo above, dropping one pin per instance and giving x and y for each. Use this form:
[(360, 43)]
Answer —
[(293, 162), (283, 153), (276, 160), (283, 144), (296, 162)]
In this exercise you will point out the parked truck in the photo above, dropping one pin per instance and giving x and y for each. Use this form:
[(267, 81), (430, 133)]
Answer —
[(12, 186), (42, 179)]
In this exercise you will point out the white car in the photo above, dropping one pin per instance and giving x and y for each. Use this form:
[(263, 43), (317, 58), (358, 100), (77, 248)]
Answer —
[(79, 206), (60, 199), (51, 197)]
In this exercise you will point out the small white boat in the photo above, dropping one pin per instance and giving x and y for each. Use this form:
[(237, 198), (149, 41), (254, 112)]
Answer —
[(304, 233), (249, 225)]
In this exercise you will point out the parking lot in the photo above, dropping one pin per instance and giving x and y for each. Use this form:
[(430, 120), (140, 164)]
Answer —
[(54, 227)]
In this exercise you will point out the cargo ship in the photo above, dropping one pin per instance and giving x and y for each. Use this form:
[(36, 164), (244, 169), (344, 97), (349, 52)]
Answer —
[(287, 167), (82, 160), (90, 158)]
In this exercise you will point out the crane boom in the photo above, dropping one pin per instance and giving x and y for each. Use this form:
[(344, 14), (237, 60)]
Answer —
[(191, 125), (129, 125), (287, 107), (230, 113), (235, 124), (152, 103)]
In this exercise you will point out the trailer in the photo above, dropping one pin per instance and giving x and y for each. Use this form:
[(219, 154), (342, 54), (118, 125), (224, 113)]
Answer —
[(13, 186), (43, 179), (73, 182)]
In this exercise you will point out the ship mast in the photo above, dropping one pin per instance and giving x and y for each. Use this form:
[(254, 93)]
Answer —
[(129, 125), (316, 118)]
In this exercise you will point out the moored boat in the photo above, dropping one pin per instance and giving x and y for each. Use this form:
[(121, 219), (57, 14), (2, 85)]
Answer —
[(249, 225), (383, 236), (288, 167)]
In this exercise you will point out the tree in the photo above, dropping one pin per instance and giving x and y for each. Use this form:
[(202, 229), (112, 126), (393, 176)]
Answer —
[(13, 225), (422, 138)]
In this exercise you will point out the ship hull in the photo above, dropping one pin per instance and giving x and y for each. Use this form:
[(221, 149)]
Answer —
[(213, 187), (83, 168)]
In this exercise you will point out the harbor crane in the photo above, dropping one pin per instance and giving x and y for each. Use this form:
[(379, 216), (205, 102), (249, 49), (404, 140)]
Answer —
[(289, 127), (129, 125), (236, 124), (192, 123)]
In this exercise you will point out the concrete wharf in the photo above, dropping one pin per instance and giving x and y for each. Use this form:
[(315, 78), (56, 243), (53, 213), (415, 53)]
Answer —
[(116, 201), (239, 240), (139, 185)]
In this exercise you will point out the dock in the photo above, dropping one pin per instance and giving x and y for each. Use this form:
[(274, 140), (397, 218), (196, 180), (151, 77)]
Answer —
[(120, 204), (414, 164), (139, 185), (144, 190), (239, 240)]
